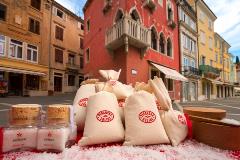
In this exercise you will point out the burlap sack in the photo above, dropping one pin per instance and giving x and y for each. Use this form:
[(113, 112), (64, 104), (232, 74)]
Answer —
[(161, 93), (103, 123), (142, 121), (175, 125), (80, 103)]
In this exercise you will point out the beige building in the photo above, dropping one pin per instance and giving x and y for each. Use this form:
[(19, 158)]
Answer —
[(28, 43), (188, 50), (66, 50), (23, 60)]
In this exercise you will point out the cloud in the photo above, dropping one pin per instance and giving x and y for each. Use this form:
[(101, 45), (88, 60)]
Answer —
[(228, 21), (73, 5)]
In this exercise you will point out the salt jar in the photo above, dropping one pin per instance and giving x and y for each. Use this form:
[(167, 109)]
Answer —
[(24, 115), (52, 138), (19, 139)]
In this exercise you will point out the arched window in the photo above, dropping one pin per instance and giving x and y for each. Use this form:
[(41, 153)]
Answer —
[(153, 38), (169, 47), (135, 16), (162, 43), (119, 15)]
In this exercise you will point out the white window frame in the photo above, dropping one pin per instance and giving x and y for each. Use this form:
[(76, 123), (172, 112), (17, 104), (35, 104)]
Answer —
[(55, 10), (203, 37), (17, 45), (201, 15), (193, 63), (3, 43), (210, 42), (32, 50), (210, 24)]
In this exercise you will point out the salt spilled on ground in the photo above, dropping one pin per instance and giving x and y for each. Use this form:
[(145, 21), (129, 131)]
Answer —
[(188, 150)]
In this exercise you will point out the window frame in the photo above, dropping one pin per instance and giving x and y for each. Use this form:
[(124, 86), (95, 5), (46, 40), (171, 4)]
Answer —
[(87, 55), (73, 57), (57, 60), (81, 62), (35, 22), (169, 40), (70, 84), (32, 50), (31, 3), (3, 42), (5, 13), (58, 36), (17, 46), (88, 25)]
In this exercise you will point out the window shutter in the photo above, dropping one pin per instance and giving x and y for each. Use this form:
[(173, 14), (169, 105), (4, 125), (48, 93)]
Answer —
[(54, 11)]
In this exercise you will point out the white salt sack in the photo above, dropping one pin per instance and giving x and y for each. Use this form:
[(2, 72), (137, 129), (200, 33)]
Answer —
[(161, 93), (175, 125), (103, 123), (15, 139), (110, 74), (142, 121), (80, 103)]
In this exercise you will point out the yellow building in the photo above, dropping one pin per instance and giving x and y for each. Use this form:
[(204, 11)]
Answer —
[(224, 62), (206, 18)]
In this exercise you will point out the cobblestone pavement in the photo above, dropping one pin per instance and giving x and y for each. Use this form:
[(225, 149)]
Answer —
[(231, 105)]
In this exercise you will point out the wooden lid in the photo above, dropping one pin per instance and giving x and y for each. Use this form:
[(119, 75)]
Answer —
[(213, 113)]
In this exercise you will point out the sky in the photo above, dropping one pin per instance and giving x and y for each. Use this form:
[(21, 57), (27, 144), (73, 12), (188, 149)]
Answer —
[(227, 23)]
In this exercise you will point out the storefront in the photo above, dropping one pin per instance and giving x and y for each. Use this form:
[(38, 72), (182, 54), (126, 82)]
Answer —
[(24, 82)]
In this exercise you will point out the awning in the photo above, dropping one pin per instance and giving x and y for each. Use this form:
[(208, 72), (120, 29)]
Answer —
[(22, 71), (237, 88), (170, 73), (215, 81)]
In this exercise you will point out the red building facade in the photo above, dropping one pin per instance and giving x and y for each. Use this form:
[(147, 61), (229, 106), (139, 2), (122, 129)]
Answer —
[(136, 36)]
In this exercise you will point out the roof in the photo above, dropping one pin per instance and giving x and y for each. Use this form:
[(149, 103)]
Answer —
[(86, 5), (68, 11), (212, 13), (219, 36)]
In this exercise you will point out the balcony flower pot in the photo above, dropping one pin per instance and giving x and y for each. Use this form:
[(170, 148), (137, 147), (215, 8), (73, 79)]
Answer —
[(150, 4), (171, 24)]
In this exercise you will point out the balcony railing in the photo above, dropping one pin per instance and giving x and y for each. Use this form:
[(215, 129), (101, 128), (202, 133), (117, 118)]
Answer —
[(73, 66), (127, 32), (191, 71), (209, 70)]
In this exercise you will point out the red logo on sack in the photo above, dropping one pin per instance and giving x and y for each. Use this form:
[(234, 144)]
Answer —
[(121, 102), (181, 119), (147, 117), (105, 116), (83, 102), (112, 82)]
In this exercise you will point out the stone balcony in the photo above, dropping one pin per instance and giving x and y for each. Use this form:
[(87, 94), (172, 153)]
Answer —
[(73, 68), (191, 72), (127, 32), (209, 71)]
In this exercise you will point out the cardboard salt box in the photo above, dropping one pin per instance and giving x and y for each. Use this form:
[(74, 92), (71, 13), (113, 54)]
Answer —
[(209, 129)]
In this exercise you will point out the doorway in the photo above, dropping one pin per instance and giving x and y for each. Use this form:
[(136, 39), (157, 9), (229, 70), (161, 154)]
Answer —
[(15, 84), (57, 84)]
